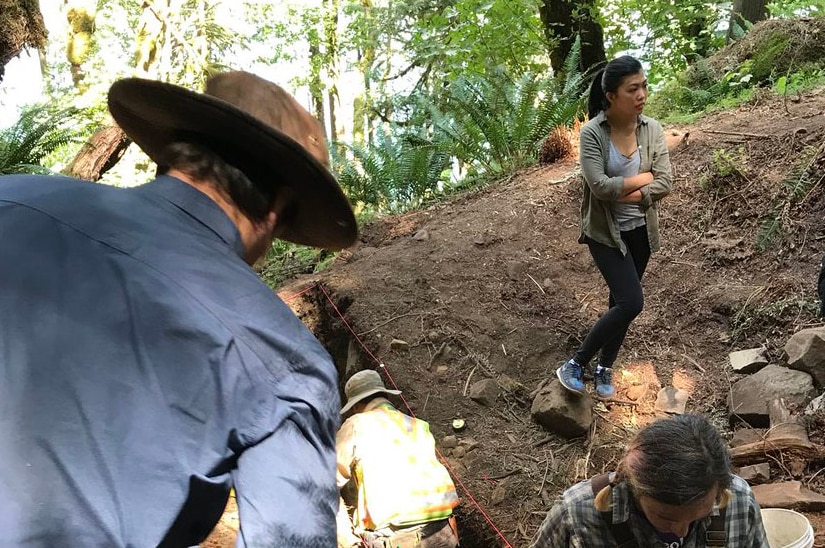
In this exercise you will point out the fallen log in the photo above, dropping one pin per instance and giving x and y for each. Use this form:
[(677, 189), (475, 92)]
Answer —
[(786, 439)]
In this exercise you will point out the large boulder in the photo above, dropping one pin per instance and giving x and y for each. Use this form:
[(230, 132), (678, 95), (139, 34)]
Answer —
[(749, 397), (805, 351), (560, 411)]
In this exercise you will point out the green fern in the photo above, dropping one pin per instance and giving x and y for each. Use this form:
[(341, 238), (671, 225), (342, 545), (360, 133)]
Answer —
[(37, 133), (804, 176)]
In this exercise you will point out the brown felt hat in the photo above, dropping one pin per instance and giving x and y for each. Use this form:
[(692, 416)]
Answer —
[(255, 126), (363, 385)]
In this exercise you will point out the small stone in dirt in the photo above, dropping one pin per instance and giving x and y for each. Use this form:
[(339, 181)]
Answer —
[(458, 452), (817, 404), (755, 473), (480, 241), (508, 384), (636, 392), (788, 494), (500, 494), (748, 361), (469, 444), (672, 400), (441, 370), (744, 436), (805, 351), (485, 392), (422, 235), (397, 345), (448, 442)]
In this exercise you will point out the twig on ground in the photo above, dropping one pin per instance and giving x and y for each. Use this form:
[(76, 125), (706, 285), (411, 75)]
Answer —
[(737, 134), (388, 321), (435, 356), (694, 362), (543, 479), (470, 376), (506, 474), (537, 284)]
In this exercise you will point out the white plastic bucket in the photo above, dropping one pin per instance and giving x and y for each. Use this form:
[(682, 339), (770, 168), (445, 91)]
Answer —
[(787, 529)]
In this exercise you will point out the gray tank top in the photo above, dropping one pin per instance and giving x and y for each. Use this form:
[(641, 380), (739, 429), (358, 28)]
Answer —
[(628, 216)]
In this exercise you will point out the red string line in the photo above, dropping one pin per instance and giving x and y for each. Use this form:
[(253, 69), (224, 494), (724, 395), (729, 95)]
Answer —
[(440, 456)]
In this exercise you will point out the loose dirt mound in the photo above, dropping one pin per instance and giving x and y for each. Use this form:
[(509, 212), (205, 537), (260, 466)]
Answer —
[(501, 289)]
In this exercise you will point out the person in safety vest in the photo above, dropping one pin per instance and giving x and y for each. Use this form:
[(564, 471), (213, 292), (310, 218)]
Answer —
[(404, 495), (672, 489)]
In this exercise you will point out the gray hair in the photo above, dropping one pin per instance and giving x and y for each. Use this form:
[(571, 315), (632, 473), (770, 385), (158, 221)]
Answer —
[(676, 461)]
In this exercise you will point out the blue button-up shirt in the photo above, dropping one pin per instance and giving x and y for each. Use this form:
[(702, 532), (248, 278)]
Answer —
[(145, 370)]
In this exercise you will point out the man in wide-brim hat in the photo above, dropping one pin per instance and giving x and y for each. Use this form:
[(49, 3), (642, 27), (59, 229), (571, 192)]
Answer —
[(146, 370)]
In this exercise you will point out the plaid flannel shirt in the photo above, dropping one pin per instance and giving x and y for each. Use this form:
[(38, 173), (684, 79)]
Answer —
[(575, 521)]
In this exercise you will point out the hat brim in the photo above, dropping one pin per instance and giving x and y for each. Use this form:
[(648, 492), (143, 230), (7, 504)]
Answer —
[(155, 114), (352, 401)]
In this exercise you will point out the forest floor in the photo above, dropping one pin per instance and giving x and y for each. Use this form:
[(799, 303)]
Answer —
[(501, 289)]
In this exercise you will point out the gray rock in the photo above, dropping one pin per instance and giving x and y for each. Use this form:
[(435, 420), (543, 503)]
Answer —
[(672, 400), (748, 361), (788, 494), (749, 397), (485, 392), (399, 345), (805, 351), (448, 442), (817, 404), (744, 436), (422, 235), (559, 410), (755, 473)]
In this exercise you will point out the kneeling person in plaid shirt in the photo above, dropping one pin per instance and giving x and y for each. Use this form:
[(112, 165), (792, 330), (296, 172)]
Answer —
[(672, 489), (405, 496)]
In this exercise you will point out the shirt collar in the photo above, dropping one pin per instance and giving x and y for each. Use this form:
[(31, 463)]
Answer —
[(199, 206), (601, 118)]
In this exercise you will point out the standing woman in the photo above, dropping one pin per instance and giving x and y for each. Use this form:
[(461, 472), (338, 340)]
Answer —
[(626, 167)]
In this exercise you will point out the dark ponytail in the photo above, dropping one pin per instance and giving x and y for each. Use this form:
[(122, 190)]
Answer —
[(609, 79)]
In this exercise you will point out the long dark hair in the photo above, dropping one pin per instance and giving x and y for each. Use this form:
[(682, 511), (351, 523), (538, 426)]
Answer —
[(609, 79)]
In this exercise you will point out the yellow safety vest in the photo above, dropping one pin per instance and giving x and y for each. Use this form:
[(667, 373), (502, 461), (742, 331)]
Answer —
[(399, 478)]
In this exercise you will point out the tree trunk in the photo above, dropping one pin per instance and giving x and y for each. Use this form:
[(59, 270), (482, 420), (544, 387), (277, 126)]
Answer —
[(80, 14), (21, 25), (100, 153), (106, 146), (744, 12), (563, 20), (331, 46)]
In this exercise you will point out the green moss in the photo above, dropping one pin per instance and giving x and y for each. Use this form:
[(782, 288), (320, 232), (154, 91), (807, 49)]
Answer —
[(770, 56)]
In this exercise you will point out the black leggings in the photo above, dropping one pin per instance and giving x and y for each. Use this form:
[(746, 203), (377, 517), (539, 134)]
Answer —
[(623, 274)]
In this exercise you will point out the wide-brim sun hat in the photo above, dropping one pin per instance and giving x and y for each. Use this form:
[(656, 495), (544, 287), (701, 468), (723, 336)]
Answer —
[(255, 126), (363, 385)]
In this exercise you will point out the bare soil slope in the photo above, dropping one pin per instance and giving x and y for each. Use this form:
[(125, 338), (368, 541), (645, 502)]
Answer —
[(502, 290)]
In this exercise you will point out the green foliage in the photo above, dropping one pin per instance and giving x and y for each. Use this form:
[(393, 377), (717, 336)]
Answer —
[(395, 172), (796, 8), (804, 176), (36, 134), (725, 169), (675, 35), (286, 260), (495, 124), (752, 316), (768, 56)]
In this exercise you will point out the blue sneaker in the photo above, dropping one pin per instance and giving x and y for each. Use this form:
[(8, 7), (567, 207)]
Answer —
[(604, 384), (571, 376)]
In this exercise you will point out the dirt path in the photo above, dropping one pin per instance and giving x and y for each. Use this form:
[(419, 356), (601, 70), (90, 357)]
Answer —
[(501, 289)]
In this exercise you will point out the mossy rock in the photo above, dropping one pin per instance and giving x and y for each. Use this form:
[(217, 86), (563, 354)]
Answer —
[(774, 47)]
